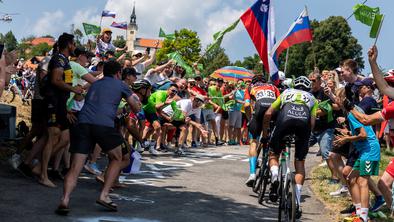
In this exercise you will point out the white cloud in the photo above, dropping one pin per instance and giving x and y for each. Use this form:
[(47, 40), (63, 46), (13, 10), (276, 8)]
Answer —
[(49, 23)]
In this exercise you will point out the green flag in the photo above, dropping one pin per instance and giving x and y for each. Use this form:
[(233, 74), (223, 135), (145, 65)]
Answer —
[(162, 34), (180, 62), (365, 14), (327, 108), (218, 36), (376, 25), (91, 29)]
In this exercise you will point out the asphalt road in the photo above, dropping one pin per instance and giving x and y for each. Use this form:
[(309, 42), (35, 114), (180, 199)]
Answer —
[(206, 185)]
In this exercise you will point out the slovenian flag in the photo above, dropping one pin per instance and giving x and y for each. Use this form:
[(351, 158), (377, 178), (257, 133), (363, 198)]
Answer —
[(260, 24), (107, 13), (300, 31), (122, 25)]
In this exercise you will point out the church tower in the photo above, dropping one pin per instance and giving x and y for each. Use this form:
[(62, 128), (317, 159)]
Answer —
[(132, 29)]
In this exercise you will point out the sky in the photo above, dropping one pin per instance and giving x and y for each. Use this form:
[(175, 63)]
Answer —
[(41, 17)]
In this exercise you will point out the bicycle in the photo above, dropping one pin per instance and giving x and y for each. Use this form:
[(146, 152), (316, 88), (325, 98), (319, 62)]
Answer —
[(11, 90), (263, 176), (287, 186)]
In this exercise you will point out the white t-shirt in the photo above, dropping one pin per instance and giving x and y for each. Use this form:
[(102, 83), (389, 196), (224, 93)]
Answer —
[(186, 106), (103, 47), (154, 77)]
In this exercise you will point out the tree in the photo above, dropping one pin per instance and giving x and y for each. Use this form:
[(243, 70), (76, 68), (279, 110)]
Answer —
[(186, 42), (252, 63), (215, 59), (78, 36), (332, 43), (10, 41), (40, 49), (119, 41)]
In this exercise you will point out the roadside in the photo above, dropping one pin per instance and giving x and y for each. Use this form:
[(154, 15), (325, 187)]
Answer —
[(322, 189)]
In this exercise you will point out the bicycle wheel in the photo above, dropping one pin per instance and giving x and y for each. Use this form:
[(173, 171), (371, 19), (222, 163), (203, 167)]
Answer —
[(266, 179), (291, 198), (281, 191), (257, 182)]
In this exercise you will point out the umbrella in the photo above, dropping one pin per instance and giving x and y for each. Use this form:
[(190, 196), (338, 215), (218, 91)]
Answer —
[(233, 73)]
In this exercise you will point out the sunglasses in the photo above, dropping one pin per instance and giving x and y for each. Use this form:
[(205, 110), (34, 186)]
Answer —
[(174, 91)]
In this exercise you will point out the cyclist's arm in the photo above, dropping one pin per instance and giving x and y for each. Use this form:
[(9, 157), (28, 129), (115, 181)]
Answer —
[(267, 120)]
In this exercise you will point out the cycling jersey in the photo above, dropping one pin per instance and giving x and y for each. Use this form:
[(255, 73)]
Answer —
[(155, 98), (263, 93), (299, 98)]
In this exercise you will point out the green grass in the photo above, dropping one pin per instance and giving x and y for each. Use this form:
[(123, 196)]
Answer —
[(320, 186)]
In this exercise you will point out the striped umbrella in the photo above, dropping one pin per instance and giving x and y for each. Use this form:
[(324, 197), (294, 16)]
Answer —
[(233, 74)]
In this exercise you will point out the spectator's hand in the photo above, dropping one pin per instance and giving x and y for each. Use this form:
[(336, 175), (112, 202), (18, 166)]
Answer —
[(341, 120), (168, 101), (340, 140), (71, 117), (77, 89), (204, 132), (373, 54), (187, 119), (327, 91)]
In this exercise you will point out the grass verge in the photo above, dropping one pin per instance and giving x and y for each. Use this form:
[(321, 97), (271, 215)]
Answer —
[(320, 186)]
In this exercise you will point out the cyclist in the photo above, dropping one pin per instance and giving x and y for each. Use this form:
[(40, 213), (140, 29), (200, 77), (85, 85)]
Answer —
[(297, 115), (263, 95)]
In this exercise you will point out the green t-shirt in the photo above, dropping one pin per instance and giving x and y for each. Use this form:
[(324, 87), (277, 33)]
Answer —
[(155, 98), (216, 95), (78, 72)]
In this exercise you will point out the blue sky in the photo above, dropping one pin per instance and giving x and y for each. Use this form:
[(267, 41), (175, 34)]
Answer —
[(53, 17)]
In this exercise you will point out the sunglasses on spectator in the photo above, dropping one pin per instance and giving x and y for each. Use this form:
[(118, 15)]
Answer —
[(174, 91)]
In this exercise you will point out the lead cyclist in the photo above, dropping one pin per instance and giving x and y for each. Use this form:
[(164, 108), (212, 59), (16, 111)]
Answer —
[(262, 94), (297, 115)]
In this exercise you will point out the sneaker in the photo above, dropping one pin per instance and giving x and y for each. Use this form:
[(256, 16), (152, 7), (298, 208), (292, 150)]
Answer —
[(194, 144), (25, 170), (340, 192), (219, 142), (92, 168), (163, 148), (250, 180), (333, 181), (153, 151), (138, 147), (351, 209), (180, 152), (146, 145), (274, 191), (353, 218), (379, 203)]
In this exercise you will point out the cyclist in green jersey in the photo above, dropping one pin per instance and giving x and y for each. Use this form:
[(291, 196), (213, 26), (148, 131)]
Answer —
[(297, 115)]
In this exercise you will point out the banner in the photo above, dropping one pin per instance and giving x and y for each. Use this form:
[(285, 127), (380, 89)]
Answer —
[(91, 29), (218, 36), (162, 34), (365, 14), (180, 62)]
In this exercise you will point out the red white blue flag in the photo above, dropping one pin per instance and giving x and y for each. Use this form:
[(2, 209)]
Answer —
[(300, 31), (260, 24), (122, 25), (107, 13)]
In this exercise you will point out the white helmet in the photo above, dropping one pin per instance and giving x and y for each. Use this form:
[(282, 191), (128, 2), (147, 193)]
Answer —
[(282, 76), (287, 82), (302, 82)]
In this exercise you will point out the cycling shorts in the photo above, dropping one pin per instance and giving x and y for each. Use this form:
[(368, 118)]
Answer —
[(291, 120), (256, 122)]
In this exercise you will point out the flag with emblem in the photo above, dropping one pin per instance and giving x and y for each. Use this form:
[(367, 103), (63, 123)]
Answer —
[(91, 29)]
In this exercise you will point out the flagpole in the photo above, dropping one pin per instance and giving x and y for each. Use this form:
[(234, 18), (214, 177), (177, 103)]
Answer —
[(287, 58), (353, 11), (380, 26)]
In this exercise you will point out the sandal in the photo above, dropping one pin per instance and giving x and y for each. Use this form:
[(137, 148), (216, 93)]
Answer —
[(111, 205), (62, 210)]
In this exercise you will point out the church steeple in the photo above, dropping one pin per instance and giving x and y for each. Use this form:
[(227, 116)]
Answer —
[(133, 17)]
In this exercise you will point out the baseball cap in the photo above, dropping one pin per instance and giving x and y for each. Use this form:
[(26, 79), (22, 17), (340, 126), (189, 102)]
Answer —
[(365, 82), (106, 30), (200, 97), (191, 80)]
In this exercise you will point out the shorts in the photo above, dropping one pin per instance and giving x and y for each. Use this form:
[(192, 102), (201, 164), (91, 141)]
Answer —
[(151, 117), (235, 119), (57, 114), (367, 168), (388, 111), (208, 114), (38, 111), (84, 138), (287, 126), (225, 115), (324, 139), (256, 122), (353, 156), (390, 168)]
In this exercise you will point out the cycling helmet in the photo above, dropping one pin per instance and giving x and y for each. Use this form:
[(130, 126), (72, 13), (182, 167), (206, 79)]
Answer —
[(302, 82), (141, 84), (287, 83), (282, 76), (258, 78)]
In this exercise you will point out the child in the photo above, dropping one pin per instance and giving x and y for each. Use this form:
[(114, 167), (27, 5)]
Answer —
[(367, 164)]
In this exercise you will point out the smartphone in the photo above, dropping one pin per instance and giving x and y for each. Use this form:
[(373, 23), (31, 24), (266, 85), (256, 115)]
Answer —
[(1, 49), (148, 50)]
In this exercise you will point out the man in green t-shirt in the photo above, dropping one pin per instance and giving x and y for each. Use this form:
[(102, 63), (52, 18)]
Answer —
[(153, 110)]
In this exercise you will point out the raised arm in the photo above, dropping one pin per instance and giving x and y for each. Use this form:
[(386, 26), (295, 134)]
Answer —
[(384, 88)]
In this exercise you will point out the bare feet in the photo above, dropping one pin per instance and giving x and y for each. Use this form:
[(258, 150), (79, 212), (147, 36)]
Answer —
[(47, 182)]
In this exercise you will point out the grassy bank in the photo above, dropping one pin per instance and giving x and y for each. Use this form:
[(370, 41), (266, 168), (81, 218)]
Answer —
[(320, 186)]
